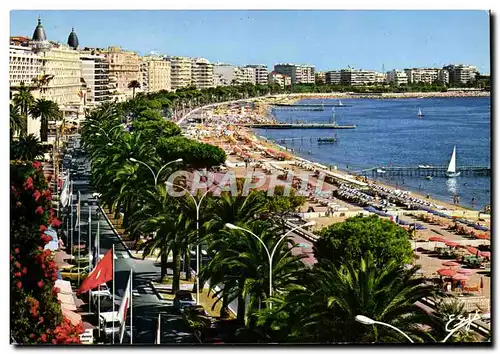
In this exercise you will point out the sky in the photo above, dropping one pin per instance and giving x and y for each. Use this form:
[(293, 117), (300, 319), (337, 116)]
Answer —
[(330, 40)]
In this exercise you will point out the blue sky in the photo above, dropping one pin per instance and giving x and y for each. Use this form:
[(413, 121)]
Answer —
[(327, 39)]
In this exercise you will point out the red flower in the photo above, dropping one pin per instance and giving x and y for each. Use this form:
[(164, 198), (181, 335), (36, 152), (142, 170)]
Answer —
[(45, 239), (43, 228), (17, 274), (19, 285), (25, 271), (41, 319), (39, 210), (36, 164), (37, 195), (43, 337), (17, 264), (16, 250), (28, 185), (55, 222), (56, 290), (32, 335), (11, 257), (40, 284)]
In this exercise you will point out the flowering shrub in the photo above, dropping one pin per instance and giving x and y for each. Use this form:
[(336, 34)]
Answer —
[(35, 310)]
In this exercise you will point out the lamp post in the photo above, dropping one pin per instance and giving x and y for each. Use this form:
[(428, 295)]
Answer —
[(368, 321), (270, 255), (197, 204), (155, 175)]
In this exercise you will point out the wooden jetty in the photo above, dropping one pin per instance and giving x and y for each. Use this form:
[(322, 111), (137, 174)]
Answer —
[(415, 171), (319, 139), (297, 126)]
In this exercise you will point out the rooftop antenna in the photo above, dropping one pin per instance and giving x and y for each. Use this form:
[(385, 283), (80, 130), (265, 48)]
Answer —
[(383, 68)]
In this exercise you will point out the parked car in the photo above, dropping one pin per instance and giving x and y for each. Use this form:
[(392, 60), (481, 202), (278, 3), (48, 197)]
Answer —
[(101, 290), (182, 299), (110, 324), (74, 274)]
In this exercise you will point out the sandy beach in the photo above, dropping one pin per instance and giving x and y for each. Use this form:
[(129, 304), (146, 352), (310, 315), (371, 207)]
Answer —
[(343, 195)]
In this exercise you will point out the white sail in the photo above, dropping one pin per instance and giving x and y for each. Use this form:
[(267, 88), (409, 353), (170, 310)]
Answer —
[(340, 103), (452, 165), (419, 112)]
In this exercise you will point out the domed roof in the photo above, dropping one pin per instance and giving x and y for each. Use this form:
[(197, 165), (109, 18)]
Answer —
[(39, 34), (73, 39)]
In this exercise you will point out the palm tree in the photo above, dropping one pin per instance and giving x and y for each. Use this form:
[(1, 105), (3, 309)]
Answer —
[(45, 110), (26, 148), (23, 99), (17, 122), (324, 306), (240, 267), (134, 84)]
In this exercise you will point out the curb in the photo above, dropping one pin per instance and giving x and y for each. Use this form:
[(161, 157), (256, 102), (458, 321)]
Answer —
[(116, 232)]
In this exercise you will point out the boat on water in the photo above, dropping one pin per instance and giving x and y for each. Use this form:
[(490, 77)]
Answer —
[(328, 140), (420, 114), (452, 168), (340, 103), (429, 177), (379, 170), (424, 166)]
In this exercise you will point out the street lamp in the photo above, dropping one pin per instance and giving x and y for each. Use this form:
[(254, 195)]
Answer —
[(197, 204), (368, 321), (105, 133), (155, 176), (270, 255)]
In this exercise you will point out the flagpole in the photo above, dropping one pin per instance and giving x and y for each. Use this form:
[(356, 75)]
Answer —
[(159, 328), (98, 297), (72, 225), (131, 305), (90, 252), (113, 255), (79, 232)]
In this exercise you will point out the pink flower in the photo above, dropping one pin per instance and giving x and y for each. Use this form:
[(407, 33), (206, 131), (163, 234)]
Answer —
[(16, 250), (40, 284), (36, 165), (37, 195), (19, 285), (39, 210)]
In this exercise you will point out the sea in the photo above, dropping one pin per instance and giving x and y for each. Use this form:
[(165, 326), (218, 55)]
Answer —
[(389, 133)]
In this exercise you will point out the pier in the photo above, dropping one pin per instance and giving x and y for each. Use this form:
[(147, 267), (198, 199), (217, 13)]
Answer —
[(319, 139), (310, 105), (297, 126), (415, 171), (299, 108)]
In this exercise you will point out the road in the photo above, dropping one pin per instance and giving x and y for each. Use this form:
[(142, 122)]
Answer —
[(146, 305)]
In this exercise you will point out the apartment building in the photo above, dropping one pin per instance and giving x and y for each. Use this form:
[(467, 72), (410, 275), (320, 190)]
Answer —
[(332, 77), (225, 74), (299, 74), (245, 75), (124, 67), (261, 73), (155, 74), (280, 79), (95, 74), (461, 74), (180, 72), (320, 77), (358, 77), (202, 72), (24, 65), (427, 75), (397, 77)]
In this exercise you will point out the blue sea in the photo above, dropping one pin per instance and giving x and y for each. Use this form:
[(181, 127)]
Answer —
[(388, 132)]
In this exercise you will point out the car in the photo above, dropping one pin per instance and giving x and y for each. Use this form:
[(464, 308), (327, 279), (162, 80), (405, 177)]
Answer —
[(110, 324), (182, 299), (74, 274), (101, 290), (104, 303)]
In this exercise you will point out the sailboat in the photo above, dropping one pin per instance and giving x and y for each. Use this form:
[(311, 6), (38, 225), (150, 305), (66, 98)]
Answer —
[(333, 120), (452, 169), (340, 103), (420, 114)]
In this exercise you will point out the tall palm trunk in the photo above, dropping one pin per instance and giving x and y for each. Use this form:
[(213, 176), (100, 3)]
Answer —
[(224, 311), (176, 270), (187, 265), (240, 313), (44, 129), (163, 266)]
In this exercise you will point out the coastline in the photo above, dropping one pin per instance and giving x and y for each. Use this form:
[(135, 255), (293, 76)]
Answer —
[(259, 113)]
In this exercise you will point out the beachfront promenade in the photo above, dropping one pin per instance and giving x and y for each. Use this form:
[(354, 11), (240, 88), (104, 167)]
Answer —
[(295, 126)]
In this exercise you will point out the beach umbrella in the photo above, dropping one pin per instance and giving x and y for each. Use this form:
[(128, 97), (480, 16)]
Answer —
[(465, 271), (473, 250), (437, 239), (460, 277), (446, 272), (452, 243), (485, 254), (451, 264)]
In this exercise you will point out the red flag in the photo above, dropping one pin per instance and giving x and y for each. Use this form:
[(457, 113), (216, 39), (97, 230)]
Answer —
[(102, 273)]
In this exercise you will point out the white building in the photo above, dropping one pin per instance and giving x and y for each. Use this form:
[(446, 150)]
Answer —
[(357, 77), (180, 72), (246, 75), (461, 74), (95, 73), (24, 65), (299, 74), (155, 74), (280, 79), (225, 74), (397, 77), (261, 73), (202, 72), (332, 77), (426, 75)]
